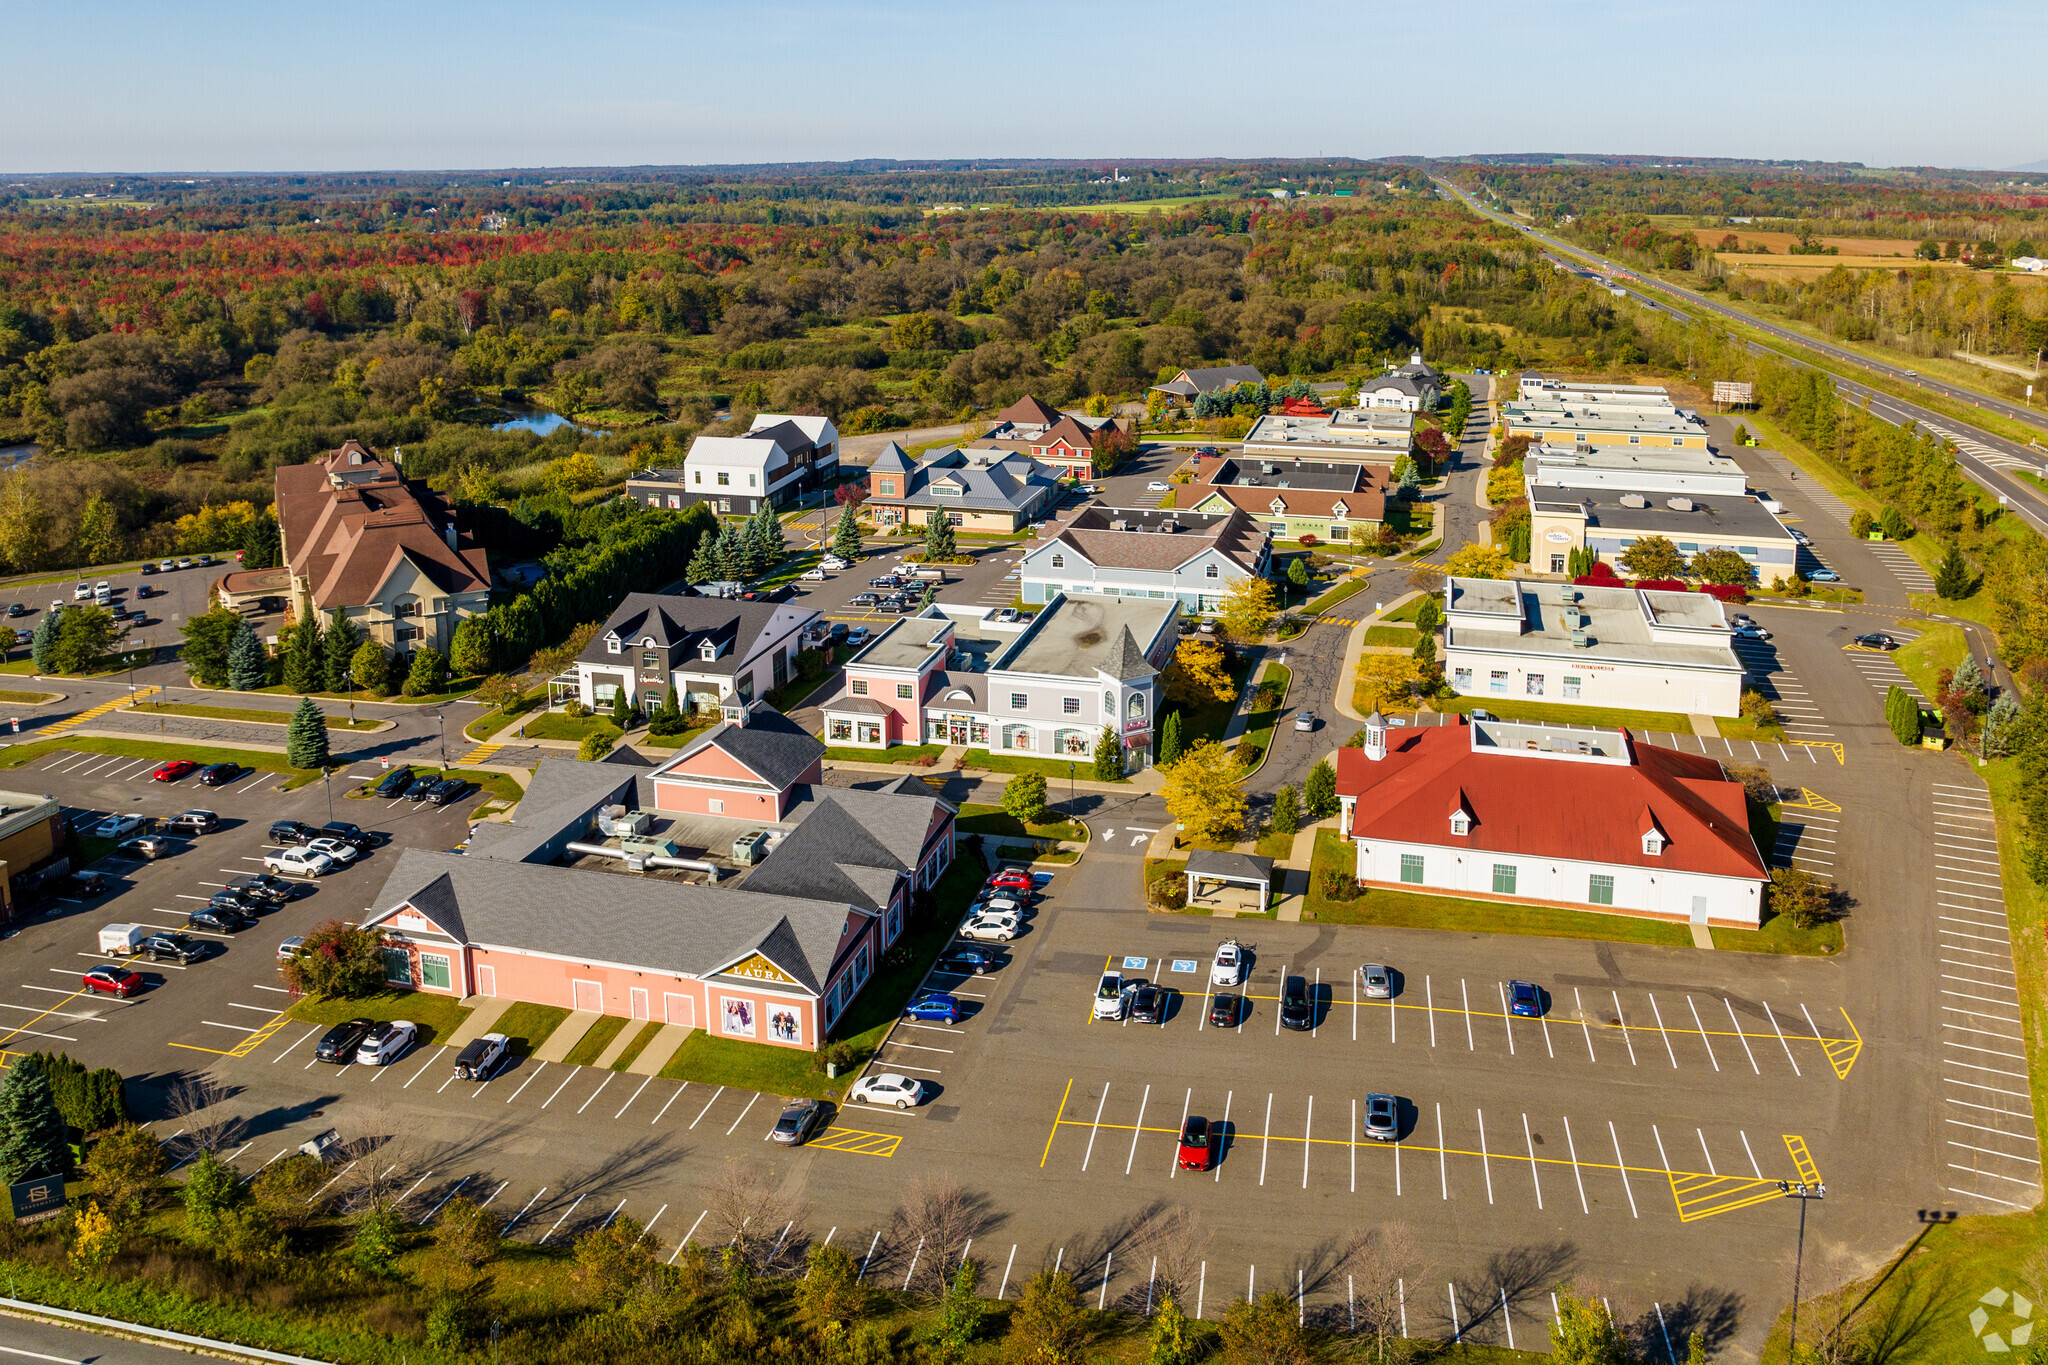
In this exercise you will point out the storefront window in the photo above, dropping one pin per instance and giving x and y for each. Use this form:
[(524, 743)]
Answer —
[(434, 970), (1497, 680), (870, 732), (1571, 688), (1533, 684), (1461, 678), (398, 966), (842, 729)]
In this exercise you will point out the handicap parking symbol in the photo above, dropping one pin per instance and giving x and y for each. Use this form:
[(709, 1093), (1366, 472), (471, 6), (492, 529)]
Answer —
[(1134, 964), (1184, 964)]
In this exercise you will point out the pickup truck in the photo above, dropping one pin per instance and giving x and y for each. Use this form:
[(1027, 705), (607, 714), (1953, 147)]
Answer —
[(298, 862)]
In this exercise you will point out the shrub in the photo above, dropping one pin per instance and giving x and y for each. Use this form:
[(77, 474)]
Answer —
[(1169, 892), (1902, 714), (1339, 885), (1804, 898), (1756, 708), (1726, 592), (338, 961), (1663, 584), (1308, 538), (596, 745), (1600, 575), (1860, 523)]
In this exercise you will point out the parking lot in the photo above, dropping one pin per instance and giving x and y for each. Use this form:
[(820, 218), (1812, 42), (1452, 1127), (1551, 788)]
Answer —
[(175, 597)]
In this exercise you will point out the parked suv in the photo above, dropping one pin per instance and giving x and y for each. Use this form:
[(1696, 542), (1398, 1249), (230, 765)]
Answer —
[(193, 822), (290, 832), (1111, 1000)]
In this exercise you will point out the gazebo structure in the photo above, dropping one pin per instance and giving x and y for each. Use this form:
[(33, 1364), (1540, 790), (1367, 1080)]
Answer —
[(1226, 881)]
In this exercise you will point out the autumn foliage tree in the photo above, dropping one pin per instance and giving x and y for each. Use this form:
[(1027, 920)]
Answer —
[(1197, 675), (337, 961)]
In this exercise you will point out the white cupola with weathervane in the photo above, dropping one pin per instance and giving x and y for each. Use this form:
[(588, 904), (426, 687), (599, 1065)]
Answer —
[(1375, 736)]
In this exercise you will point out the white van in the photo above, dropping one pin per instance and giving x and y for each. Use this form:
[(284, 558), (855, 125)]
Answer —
[(122, 940), (930, 573)]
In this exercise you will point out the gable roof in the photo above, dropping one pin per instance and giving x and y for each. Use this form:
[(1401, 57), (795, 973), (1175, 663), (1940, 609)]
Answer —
[(1235, 536), (770, 745), (1029, 411), (680, 624), (818, 430), (1544, 807), (746, 452), (561, 792), (987, 479), (1070, 431), (656, 923), (1222, 377), (350, 520)]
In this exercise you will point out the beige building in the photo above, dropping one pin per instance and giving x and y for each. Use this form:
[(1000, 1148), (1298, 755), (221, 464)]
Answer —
[(30, 831), (1626, 648), (360, 537), (1572, 422)]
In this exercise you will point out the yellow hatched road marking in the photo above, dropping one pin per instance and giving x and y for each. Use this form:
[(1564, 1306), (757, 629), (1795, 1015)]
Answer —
[(480, 754), (1703, 1196), (1813, 800), (1809, 1173), (1832, 746), (857, 1141), (259, 1037), (83, 716), (1843, 1052)]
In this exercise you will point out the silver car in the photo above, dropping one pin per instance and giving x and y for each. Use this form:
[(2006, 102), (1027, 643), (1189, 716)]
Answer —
[(1382, 1118), (1379, 983)]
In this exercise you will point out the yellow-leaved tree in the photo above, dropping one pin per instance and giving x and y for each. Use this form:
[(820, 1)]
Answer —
[(1383, 681), (1204, 792), (1248, 608), (1196, 676), (1478, 561)]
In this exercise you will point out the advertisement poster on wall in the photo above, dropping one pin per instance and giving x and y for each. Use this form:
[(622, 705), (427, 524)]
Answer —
[(738, 1017), (783, 1025)]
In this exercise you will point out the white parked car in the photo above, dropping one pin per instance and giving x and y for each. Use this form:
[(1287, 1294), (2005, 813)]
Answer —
[(834, 563), (81, 593), (990, 928), (298, 862), (1156, 486), (1751, 633), (1111, 999), (998, 905), (1227, 968), (1304, 720), (815, 575), (387, 1043), (117, 826), (335, 849), (103, 589), (887, 1088)]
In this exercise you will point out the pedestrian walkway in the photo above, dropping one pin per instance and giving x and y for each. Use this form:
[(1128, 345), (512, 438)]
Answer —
[(83, 717), (482, 753), (563, 1040), (659, 1049), (484, 1013)]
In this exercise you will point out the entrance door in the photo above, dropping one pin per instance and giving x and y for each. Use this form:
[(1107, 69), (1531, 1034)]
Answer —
[(590, 996), (956, 729), (1699, 703), (486, 979), (637, 998), (679, 1009), (1699, 909)]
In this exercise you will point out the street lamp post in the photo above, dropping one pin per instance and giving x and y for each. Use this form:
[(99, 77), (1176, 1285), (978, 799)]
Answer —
[(443, 719), (1803, 1192)]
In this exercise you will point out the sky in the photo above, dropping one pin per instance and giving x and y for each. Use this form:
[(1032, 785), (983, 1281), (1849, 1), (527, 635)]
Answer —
[(231, 85)]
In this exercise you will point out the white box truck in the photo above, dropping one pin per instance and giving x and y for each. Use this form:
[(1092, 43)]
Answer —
[(122, 940)]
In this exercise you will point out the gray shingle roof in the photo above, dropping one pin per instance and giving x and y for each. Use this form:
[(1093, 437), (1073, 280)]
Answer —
[(1126, 660), (677, 625), (892, 460), (561, 792), (1204, 862), (770, 744), (654, 923), (988, 480)]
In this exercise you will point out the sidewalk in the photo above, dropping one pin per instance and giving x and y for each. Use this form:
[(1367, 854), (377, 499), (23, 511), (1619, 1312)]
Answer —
[(1145, 780), (1354, 650)]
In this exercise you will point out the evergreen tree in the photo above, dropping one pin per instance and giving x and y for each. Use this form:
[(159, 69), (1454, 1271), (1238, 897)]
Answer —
[(305, 739), (208, 1192), (938, 537), (1297, 572), (248, 669), (261, 546), (1286, 811), (302, 658), (728, 555), (44, 643), (846, 535), (1319, 792), (768, 531), (704, 562), (1169, 741), (2001, 734), (1109, 756), (428, 674), (338, 645), (622, 710), (1429, 614), (1902, 713), (1952, 577), (31, 1130)]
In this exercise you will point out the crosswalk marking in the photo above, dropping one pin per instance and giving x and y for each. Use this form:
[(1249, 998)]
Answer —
[(73, 722), (482, 753)]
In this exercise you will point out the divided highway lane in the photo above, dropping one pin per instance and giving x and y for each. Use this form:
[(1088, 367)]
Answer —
[(1986, 458)]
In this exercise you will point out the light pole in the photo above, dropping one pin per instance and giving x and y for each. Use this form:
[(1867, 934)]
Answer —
[(443, 719), (1803, 1192)]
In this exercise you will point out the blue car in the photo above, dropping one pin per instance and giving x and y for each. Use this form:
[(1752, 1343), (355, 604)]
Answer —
[(1525, 1000), (938, 1007), (1823, 576)]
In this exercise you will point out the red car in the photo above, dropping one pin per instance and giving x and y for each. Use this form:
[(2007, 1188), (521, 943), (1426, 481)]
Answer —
[(112, 980), (173, 770), (1194, 1144), (1011, 881)]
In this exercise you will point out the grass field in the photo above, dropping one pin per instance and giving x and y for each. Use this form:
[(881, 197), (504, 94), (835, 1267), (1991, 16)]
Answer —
[(556, 725), (250, 714), (976, 819), (26, 698), (900, 753), (637, 1046), (1390, 637), (596, 1040), (437, 1015), (528, 1025), (1557, 713), (1140, 206), (1938, 647), (1082, 768)]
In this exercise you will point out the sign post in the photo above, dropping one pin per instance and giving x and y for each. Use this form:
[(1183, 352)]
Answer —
[(37, 1198)]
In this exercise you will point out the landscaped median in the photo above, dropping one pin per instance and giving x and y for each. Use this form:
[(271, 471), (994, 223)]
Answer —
[(1267, 700), (249, 714), (14, 756)]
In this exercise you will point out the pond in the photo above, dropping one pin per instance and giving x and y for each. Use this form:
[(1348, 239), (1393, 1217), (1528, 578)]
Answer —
[(539, 421), (14, 456)]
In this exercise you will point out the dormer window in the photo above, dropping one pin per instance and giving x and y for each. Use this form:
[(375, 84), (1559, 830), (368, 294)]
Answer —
[(1278, 505), (611, 644), (707, 651), (1653, 842), (1461, 823)]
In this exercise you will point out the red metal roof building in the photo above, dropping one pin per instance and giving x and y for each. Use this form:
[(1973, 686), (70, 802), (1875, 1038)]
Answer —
[(1590, 819)]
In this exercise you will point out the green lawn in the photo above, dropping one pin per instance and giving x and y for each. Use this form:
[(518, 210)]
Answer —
[(437, 1015), (901, 753), (528, 1025), (674, 741), (1558, 713), (1052, 769), (1395, 637), (1406, 611), (977, 819), (26, 698), (499, 786), (557, 725), (259, 759), (1258, 731), (596, 1040), (1939, 647), (637, 1046), (250, 714), (491, 722)]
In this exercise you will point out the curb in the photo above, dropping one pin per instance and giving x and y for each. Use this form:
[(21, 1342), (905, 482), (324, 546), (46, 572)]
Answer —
[(117, 1327)]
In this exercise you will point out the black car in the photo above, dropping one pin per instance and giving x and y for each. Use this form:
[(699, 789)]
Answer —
[(292, 832), (892, 606), (148, 569), (85, 884), (219, 774), (16, 609), (192, 822), (260, 890), (887, 580), (143, 589), (796, 1123), (1148, 1004), (1296, 1012), (395, 784), (339, 1043), (450, 789), (1224, 1008), (969, 961), (220, 919), (423, 785), (173, 948), (838, 631), (352, 835), (863, 599), (227, 898), (1877, 641)]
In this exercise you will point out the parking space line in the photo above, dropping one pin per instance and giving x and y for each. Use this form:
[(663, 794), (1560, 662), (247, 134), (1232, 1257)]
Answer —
[(563, 1086), (751, 1101), (1507, 1020), (1142, 1102), (1703, 1033), (707, 1106), (1485, 1161), (1585, 1024), (1308, 1139), (1664, 1033), (1225, 1132), (636, 1095), (1621, 1022), (1533, 1175), (599, 1091), (1096, 1127)]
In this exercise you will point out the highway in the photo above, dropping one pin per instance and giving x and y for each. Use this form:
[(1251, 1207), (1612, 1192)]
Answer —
[(1988, 460)]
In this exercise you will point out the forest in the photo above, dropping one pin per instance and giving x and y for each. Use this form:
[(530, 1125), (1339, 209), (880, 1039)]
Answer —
[(165, 372)]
